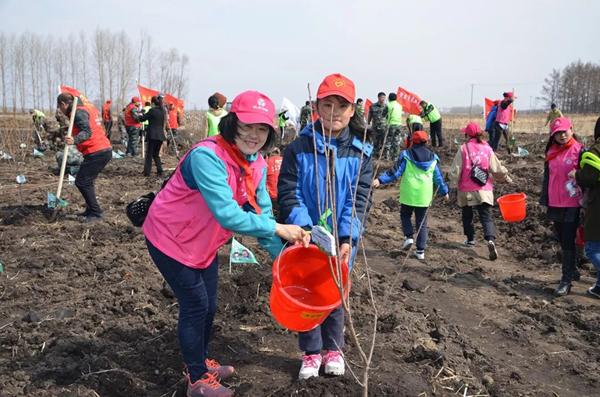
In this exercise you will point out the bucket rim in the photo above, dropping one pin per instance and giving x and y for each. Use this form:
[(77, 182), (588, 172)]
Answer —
[(277, 283), (521, 196)]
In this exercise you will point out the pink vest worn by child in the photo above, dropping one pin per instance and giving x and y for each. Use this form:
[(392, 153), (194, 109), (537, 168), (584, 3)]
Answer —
[(179, 222), (480, 153), (559, 168)]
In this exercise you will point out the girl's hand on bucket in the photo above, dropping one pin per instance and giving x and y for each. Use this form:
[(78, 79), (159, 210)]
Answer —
[(345, 252), (292, 233)]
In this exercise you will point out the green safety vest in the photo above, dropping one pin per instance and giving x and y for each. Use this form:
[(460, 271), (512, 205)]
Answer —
[(414, 119), (213, 122), (416, 186), (433, 115), (144, 111), (394, 116), (590, 159), (281, 122)]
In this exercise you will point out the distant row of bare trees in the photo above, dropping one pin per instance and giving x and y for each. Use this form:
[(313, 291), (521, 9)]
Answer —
[(574, 89), (101, 64)]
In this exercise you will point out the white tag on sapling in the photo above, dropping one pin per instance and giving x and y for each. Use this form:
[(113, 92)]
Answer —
[(324, 240)]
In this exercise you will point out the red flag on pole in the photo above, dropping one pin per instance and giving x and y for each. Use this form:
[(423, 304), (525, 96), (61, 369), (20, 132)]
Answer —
[(75, 92), (368, 105), (489, 104), (146, 94), (409, 101)]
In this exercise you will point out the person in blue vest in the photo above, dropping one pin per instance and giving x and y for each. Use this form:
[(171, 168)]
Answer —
[(420, 171), (300, 203)]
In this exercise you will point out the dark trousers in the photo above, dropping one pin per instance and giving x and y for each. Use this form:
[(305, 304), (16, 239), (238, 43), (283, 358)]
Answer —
[(133, 135), (108, 128), (86, 177), (485, 217), (436, 133), (378, 135), (393, 142), (496, 133), (196, 293), (566, 233), (327, 336), (153, 154), (406, 212)]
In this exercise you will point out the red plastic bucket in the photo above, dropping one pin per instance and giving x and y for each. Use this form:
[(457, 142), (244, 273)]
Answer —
[(303, 292), (513, 207)]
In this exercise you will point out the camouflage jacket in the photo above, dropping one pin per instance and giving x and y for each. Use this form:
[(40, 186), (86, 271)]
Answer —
[(378, 116)]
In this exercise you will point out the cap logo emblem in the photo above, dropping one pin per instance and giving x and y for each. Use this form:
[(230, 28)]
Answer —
[(338, 83)]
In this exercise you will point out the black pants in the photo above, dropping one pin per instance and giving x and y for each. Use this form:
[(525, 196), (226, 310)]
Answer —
[(566, 232), (108, 128), (328, 336), (495, 135), (153, 153), (133, 134), (406, 212), (86, 177), (436, 133), (485, 217)]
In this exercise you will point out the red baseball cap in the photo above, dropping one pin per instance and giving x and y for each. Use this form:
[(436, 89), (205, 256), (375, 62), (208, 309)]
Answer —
[(419, 137), (135, 99), (472, 129), (337, 84), (560, 124), (252, 107)]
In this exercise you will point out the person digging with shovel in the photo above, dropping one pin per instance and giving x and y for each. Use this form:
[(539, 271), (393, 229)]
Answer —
[(91, 141)]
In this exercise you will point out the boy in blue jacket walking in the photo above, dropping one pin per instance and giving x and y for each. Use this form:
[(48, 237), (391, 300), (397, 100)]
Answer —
[(420, 171), (302, 201)]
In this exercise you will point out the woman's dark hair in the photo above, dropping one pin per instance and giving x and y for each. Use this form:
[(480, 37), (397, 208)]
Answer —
[(228, 127), (213, 102), (392, 97), (357, 127)]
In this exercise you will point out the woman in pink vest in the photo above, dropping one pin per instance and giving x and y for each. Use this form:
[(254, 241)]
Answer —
[(219, 188), (477, 193), (562, 196)]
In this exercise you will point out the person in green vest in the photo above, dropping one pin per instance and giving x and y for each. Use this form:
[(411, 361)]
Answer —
[(413, 123), (214, 115), (394, 122), (430, 113), (420, 171), (553, 114), (283, 118), (39, 126)]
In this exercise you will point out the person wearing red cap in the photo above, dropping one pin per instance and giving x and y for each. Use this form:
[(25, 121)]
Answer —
[(107, 117), (503, 117), (474, 170), (303, 200), (132, 114), (218, 188), (419, 169), (561, 195)]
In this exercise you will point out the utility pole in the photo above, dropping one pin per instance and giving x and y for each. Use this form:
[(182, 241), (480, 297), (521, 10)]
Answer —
[(471, 106)]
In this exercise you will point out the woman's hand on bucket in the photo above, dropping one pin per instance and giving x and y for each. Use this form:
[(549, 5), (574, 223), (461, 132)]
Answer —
[(293, 234)]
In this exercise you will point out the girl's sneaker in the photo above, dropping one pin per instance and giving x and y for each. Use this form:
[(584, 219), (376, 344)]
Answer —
[(492, 249), (222, 371), (334, 363), (420, 254), (469, 243), (594, 291), (407, 244), (310, 366), (207, 386)]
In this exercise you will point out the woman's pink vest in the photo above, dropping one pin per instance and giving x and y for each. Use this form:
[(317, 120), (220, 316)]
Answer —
[(559, 168), (179, 222), (503, 115), (480, 153)]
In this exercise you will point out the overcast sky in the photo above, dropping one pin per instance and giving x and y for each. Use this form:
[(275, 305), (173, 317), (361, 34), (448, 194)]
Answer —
[(436, 49)]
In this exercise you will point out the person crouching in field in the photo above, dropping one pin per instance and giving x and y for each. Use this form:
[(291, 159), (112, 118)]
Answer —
[(561, 195), (588, 177), (420, 170), (218, 188), (90, 138), (350, 158), (474, 170)]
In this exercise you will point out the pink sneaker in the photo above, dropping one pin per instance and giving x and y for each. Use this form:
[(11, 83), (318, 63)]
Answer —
[(207, 386), (222, 371), (310, 366), (334, 363)]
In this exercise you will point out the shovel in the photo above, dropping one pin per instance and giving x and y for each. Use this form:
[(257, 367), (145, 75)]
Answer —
[(54, 201)]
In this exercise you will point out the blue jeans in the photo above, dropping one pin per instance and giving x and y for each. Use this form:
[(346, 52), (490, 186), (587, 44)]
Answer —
[(406, 212), (592, 251), (329, 335), (196, 292)]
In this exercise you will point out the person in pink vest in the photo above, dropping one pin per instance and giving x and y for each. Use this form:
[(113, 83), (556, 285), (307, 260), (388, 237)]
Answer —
[(561, 195), (477, 193), (218, 189), (503, 117)]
